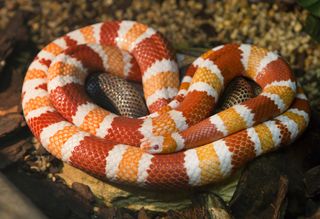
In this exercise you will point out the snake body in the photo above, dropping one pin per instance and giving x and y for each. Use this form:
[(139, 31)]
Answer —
[(124, 98), (238, 91), (116, 94), (122, 149)]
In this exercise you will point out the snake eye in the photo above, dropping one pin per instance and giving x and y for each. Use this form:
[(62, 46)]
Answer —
[(156, 147)]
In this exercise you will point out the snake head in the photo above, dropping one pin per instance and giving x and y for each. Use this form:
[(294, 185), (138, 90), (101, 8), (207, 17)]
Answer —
[(160, 144), (152, 145)]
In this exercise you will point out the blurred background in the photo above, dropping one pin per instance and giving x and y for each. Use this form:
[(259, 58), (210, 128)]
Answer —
[(284, 184)]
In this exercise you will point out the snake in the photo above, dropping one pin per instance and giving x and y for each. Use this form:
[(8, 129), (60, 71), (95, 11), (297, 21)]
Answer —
[(181, 143)]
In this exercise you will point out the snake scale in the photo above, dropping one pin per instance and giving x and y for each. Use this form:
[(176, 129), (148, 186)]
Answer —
[(116, 94), (180, 143)]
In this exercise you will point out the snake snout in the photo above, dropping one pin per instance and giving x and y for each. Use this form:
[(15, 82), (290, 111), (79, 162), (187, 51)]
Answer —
[(155, 147), (152, 149), (152, 146)]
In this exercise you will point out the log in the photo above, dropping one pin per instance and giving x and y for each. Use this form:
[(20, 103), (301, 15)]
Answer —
[(13, 204), (134, 198), (15, 31), (13, 35)]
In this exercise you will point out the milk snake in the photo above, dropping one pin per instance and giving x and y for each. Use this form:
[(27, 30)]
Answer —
[(199, 148)]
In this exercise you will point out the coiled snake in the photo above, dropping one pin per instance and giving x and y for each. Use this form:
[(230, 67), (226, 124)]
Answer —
[(199, 148)]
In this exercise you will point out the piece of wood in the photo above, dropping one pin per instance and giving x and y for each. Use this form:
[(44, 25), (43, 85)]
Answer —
[(281, 197), (13, 204), (13, 38), (10, 92), (55, 200), (9, 124), (312, 181), (134, 198), (15, 31), (14, 152), (273, 185)]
